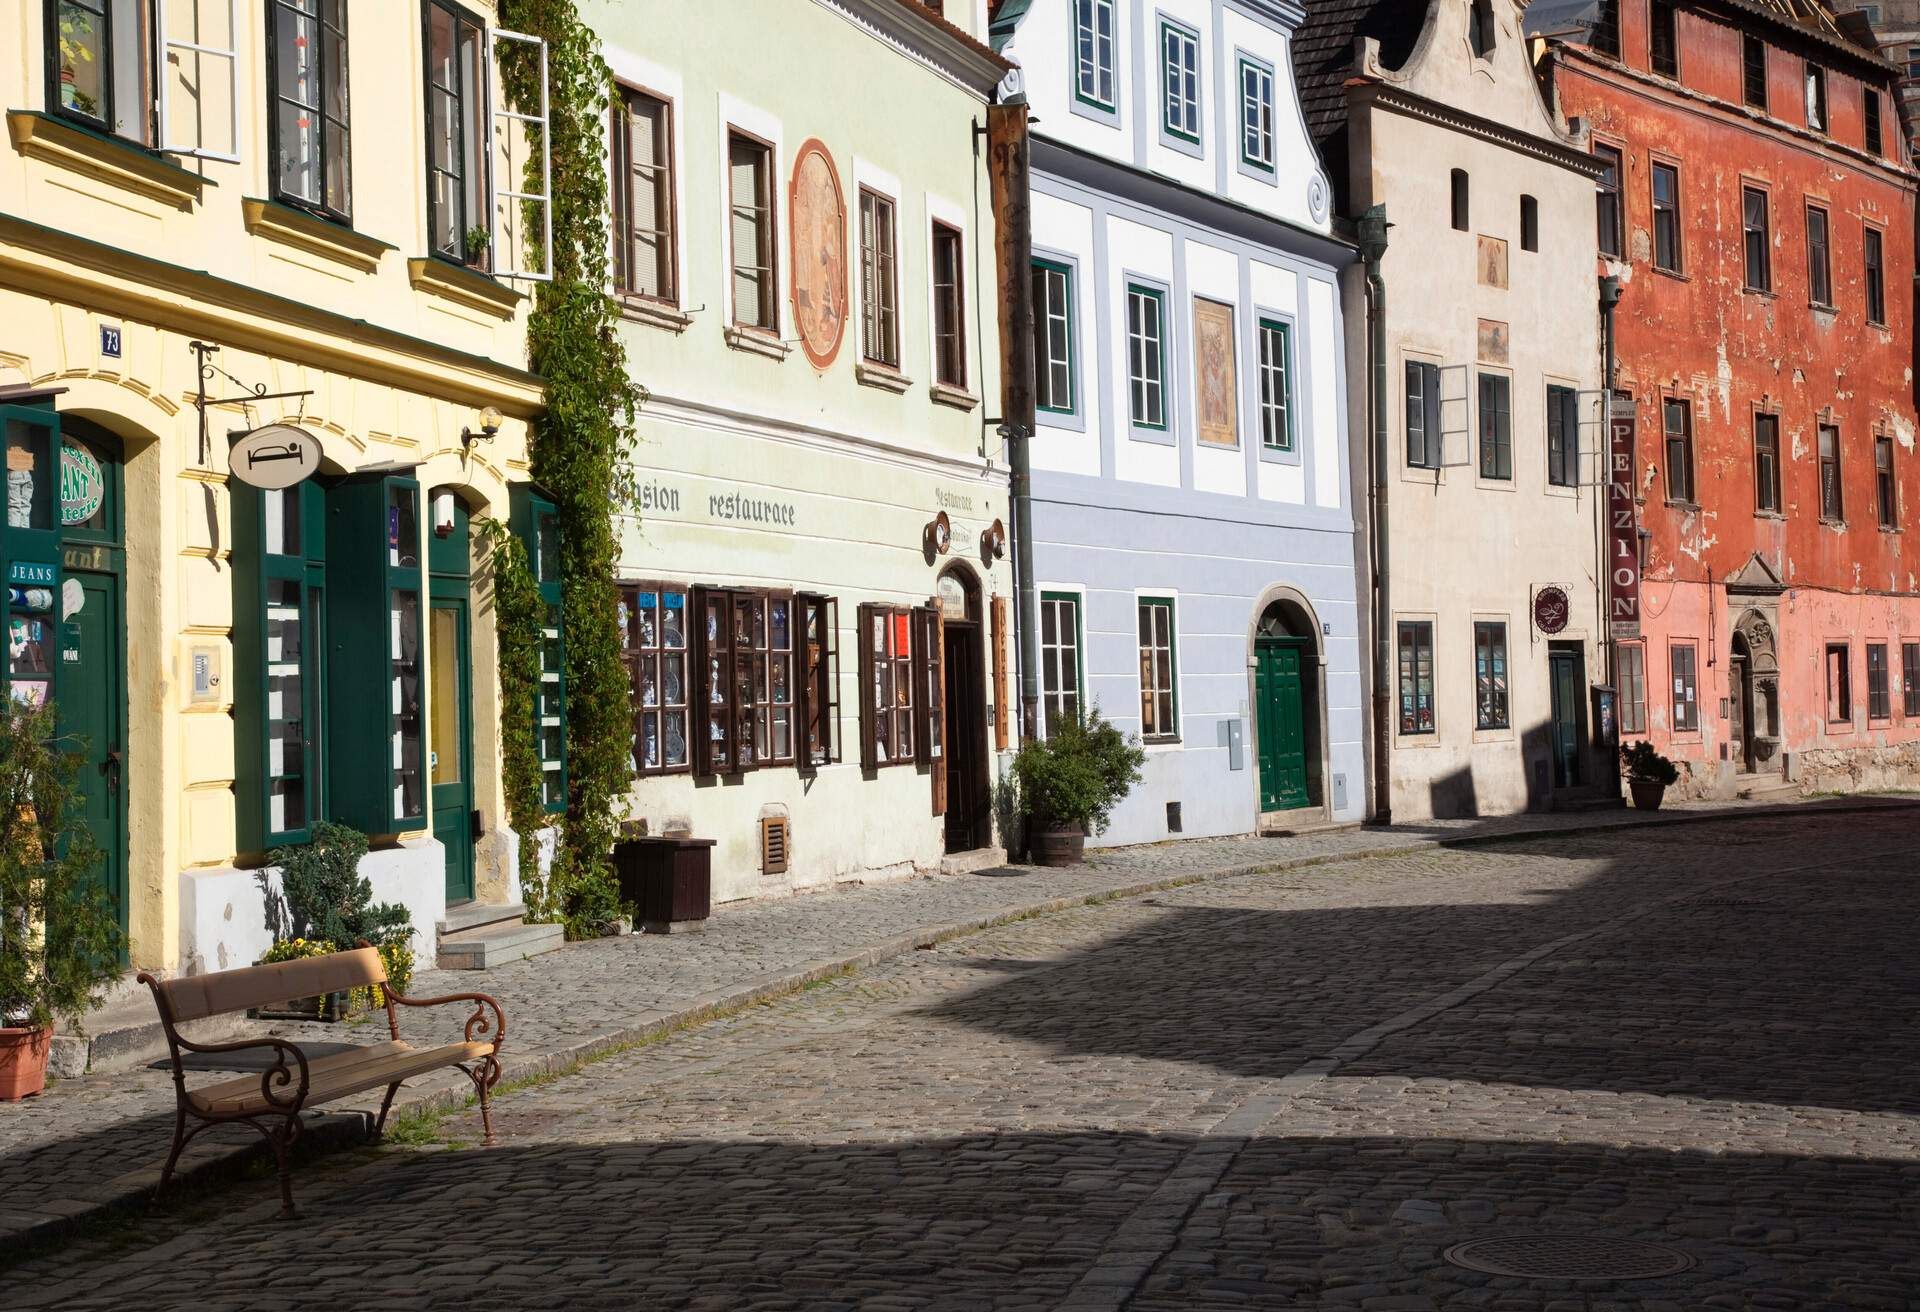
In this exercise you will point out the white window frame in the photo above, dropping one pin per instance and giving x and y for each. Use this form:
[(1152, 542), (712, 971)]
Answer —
[(1257, 115), (496, 222), (165, 43)]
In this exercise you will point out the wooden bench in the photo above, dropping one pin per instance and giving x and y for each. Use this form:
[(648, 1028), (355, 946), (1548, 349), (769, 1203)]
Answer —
[(272, 1101)]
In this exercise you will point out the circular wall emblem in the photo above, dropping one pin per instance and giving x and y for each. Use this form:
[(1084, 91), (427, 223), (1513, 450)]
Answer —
[(82, 486), (276, 456), (1551, 609), (819, 227)]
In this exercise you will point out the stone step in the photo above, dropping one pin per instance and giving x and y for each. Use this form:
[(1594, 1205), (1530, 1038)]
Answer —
[(126, 1034), (471, 915), (968, 863), (1769, 787), (487, 946)]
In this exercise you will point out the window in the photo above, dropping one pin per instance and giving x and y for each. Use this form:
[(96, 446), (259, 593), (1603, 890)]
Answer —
[(1053, 337), (1677, 423), (1633, 687), (890, 704), (879, 281), (1496, 426), (1416, 676), (1910, 678), (1276, 385), (1753, 70), (1754, 228), (1663, 38), (100, 56), (1686, 693), (1666, 217), (1875, 260), (1461, 217), (1147, 356), (1159, 700), (536, 522), (1256, 115), (1839, 684), (1819, 264), (457, 218), (744, 680), (1529, 224), (280, 529), (1563, 436), (1879, 696), (1093, 52), (1423, 415), (756, 302), (1180, 81), (1816, 80), (1766, 464), (1604, 35), (653, 646), (643, 204), (819, 681), (1609, 199), (1870, 106), (308, 115), (1885, 494), (949, 325), (1480, 28), (1832, 505), (1913, 61), (1061, 675), (1490, 674)]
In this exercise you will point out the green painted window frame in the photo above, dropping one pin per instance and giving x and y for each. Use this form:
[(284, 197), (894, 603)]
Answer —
[(1159, 297), (1168, 27), (531, 516), (1043, 355), (1142, 605), (1266, 104), (1269, 328), (1048, 695), (1092, 8)]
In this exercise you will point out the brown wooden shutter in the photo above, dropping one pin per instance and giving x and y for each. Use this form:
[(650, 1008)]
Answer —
[(869, 616), (804, 697), (699, 694), (934, 625), (1000, 673), (830, 727)]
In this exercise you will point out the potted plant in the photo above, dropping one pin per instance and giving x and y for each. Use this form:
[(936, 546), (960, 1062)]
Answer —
[(476, 242), (330, 908), (1070, 781), (1649, 774), (60, 938)]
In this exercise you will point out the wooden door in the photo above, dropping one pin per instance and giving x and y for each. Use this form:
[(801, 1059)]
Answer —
[(1281, 724)]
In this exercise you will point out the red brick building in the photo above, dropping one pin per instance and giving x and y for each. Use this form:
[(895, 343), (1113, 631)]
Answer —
[(1760, 214)]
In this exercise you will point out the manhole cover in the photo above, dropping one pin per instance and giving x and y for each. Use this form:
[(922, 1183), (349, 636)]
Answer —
[(1569, 1257)]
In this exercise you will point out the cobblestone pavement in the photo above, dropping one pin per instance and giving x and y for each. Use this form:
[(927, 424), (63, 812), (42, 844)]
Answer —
[(1297, 1089)]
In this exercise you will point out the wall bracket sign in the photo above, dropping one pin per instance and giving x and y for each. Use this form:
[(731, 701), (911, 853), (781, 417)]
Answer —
[(202, 351)]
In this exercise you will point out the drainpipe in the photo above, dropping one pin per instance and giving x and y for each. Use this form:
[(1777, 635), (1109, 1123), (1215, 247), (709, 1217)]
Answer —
[(1610, 290), (1373, 248)]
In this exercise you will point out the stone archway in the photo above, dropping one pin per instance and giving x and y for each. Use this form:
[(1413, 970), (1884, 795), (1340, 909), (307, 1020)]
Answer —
[(1755, 665), (1287, 719)]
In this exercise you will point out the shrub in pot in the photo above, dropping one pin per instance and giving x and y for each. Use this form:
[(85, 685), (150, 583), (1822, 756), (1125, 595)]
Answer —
[(1070, 781), (1649, 774), (330, 908), (60, 937)]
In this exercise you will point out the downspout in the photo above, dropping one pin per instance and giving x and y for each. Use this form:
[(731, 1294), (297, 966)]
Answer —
[(1610, 290), (1373, 249)]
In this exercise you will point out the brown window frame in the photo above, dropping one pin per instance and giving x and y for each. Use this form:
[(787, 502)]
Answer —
[(1685, 696), (817, 681), (882, 727), (1766, 466), (1873, 259), (1834, 510), (880, 282), (743, 720), (1819, 257), (1886, 488), (1840, 696), (1879, 683), (1609, 198), (1677, 494), (1672, 212), (1873, 121), (949, 299), (667, 175), (1633, 687), (769, 321), (1910, 678), (1753, 61), (1813, 82), (638, 656), (1756, 239), (1663, 63)]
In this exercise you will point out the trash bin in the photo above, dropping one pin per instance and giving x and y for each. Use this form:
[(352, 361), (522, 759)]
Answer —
[(669, 880)]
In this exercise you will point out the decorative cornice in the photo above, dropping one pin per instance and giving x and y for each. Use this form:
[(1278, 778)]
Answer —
[(56, 141), (289, 226), (904, 454), (918, 33), (1382, 96), (462, 286)]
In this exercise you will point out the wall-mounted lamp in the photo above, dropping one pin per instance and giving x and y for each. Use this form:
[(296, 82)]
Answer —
[(993, 542), (443, 514), (490, 421), (939, 534)]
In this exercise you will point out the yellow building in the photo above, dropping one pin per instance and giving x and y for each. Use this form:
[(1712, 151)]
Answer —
[(305, 207)]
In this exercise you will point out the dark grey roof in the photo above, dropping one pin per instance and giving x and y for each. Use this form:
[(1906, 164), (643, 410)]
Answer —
[(1323, 61)]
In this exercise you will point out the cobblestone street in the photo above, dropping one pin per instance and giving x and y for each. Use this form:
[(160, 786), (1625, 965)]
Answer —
[(1298, 1089)]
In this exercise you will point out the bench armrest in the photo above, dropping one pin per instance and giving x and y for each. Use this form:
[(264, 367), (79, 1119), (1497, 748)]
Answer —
[(480, 1026), (276, 1076)]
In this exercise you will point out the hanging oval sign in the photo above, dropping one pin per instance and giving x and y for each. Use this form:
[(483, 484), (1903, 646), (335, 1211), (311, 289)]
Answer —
[(1551, 609), (82, 486), (276, 456)]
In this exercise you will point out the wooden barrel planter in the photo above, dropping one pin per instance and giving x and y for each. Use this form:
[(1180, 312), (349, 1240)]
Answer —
[(1058, 847)]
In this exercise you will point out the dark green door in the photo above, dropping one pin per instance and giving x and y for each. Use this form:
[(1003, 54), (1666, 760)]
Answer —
[(1281, 723), (450, 752), (93, 717), (1564, 679)]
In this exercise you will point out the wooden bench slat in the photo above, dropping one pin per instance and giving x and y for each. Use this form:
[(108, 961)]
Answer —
[(338, 1076), (197, 996)]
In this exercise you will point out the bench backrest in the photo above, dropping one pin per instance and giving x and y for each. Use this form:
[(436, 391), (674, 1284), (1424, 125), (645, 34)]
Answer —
[(224, 991)]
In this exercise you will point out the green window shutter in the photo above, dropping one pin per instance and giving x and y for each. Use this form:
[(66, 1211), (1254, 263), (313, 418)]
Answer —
[(536, 522)]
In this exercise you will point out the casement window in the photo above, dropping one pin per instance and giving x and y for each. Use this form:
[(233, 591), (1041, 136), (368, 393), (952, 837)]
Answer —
[(1913, 61), (949, 308), (1819, 259), (458, 224), (1663, 38), (1677, 426), (1604, 35), (1870, 105), (756, 303), (819, 679), (1832, 504), (1563, 436), (1839, 684), (307, 115), (1496, 427), (1423, 415), (161, 75), (1632, 659), (655, 629), (1816, 84), (1529, 223), (1180, 81), (1766, 464), (1885, 491), (1686, 689), (879, 281), (1608, 200), (1753, 70), (1147, 356), (1874, 256), (536, 522), (745, 684), (1053, 373), (1481, 30), (645, 255), (1416, 676), (1879, 694), (902, 711), (1910, 678), (1062, 672), (1460, 200), (1093, 45), (1756, 237), (1159, 671), (1666, 218), (1276, 384), (1490, 675), (1256, 115), (100, 60)]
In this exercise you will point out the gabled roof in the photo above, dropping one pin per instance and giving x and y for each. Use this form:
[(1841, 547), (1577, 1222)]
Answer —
[(1323, 61)]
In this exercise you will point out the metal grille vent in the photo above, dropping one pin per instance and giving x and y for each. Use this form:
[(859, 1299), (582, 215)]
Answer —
[(1569, 1257), (774, 836)]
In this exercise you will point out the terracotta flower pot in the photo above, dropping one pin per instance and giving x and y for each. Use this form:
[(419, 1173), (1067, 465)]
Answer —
[(1063, 846), (1646, 794), (23, 1061)]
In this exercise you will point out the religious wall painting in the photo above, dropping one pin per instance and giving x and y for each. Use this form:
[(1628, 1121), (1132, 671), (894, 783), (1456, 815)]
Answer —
[(819, 232), (1214, 383)]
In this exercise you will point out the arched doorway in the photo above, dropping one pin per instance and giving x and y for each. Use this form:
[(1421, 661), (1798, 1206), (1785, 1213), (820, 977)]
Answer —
[(969, 801), (1753, 694), (450, 710), (1286, 711)]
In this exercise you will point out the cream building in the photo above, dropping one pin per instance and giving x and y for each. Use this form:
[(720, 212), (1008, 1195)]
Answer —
[(1485, 438), (300, 207)]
